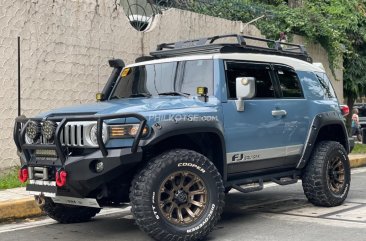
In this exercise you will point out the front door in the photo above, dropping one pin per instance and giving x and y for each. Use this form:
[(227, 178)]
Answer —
[(255, 139)]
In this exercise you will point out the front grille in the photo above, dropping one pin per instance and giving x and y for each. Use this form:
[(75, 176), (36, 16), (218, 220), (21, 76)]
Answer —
[(73, 135)]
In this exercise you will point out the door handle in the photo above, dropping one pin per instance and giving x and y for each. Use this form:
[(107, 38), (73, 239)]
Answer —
[(276, 113)]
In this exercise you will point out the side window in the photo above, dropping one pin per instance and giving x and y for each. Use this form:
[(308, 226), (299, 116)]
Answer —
[(197, 73), (261, 73), (312, 87), (326, 85), (289, 84)]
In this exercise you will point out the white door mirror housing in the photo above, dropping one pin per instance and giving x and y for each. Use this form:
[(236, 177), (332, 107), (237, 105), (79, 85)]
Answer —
[(245, 87)]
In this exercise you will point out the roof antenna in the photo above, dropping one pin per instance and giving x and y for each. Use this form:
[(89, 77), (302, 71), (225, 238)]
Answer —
[(19, 110)]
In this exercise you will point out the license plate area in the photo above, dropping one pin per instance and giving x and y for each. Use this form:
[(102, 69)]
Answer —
[(40, 187)]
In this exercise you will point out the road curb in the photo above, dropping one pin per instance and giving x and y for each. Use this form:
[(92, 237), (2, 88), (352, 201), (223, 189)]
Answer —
[(357, 161), (21, 208)]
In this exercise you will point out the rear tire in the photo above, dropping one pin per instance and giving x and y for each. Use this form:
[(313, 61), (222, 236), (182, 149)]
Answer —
[(326, 178), (68, 213), (178, 196)]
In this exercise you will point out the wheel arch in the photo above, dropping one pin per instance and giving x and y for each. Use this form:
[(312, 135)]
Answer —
[(205, 138), (325, 126)]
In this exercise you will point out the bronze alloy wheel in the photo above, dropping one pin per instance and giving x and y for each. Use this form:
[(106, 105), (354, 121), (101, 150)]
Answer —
[(182, 197), (335, 175)]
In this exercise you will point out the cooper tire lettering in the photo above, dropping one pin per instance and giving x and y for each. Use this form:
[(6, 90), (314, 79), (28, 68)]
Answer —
[(188, 164)]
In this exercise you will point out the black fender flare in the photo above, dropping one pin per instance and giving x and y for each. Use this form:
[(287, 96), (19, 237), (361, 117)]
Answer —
[(321, 120), (166, 129)]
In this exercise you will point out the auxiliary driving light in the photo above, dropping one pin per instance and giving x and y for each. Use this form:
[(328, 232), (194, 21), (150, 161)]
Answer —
[(48, 129), (99, 166), (33, 130)]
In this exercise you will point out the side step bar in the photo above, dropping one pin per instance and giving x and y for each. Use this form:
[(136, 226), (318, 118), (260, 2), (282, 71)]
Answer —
[(256, 183), (249, 187), (286, 180)]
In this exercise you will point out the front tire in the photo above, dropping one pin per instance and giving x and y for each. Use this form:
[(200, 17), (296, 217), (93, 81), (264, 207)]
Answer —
[(68, 213), (326, 179), (179, 196)]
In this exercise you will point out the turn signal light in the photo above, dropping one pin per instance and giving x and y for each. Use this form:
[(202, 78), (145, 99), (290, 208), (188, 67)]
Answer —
[(23, 175), (61, 178)]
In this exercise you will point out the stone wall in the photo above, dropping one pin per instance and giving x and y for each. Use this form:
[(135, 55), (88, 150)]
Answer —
[(65, 47)]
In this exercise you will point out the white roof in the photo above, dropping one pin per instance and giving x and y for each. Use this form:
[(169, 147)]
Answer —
[(297, 64)]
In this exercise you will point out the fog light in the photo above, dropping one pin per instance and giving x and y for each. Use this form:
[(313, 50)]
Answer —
[(99, 166)]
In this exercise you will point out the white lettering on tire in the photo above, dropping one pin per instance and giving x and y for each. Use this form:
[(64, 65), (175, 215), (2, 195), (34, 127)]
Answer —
[(188, 164), (153, 207), (204, 221)]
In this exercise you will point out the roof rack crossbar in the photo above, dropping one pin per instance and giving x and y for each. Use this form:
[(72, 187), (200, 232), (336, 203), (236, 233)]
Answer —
[(210, 45)]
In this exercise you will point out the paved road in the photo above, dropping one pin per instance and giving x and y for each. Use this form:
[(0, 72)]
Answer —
[(276, 213)]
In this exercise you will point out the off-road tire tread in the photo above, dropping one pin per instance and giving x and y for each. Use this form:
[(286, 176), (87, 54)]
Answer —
[(314, 185), (67, 214), (142, 183)]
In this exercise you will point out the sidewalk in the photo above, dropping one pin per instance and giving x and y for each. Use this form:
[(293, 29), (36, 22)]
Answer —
[(16, 203)]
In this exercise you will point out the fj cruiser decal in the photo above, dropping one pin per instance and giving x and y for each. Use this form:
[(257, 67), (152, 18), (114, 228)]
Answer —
[(242, 157), (261, 154), (187, 164)]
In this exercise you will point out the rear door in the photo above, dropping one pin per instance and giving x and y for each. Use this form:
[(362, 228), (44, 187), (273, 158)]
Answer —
[(297, 119)]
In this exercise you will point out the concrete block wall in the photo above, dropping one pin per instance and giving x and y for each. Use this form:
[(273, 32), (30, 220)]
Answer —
[(65, 47)]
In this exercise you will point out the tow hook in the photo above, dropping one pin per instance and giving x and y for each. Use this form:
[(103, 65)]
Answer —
[(61, 176), (40, 201)]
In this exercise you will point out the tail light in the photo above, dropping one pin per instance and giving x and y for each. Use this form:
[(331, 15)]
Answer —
[(61, 178), (344, 110), (23, 175)]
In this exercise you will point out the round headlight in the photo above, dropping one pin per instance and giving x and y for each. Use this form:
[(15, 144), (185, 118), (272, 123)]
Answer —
[(93, 135), (33, 130), (48, 129)]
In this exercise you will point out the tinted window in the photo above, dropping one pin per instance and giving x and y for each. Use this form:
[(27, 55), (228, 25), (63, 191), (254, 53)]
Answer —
[(326, 85), (311, 85), (289, 84), (195, 74), (261, 73), (150, 80)]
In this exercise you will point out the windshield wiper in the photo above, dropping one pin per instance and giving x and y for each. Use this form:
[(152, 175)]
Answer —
[(140, 95), (175, 93)]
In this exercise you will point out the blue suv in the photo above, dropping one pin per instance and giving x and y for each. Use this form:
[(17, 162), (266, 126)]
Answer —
[(175, 131)]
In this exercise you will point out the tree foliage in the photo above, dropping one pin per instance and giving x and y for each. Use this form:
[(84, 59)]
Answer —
[(336, 24)]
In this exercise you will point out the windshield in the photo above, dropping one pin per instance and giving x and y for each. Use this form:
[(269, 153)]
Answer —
[(173, 78)]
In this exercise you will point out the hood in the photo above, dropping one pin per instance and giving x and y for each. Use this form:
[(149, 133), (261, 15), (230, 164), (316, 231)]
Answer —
[(135, 105)]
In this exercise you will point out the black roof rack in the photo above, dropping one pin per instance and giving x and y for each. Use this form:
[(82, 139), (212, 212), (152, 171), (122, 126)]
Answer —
[(208, 46)]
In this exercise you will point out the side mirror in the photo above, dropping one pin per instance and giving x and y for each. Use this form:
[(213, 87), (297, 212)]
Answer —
[(245, 87)]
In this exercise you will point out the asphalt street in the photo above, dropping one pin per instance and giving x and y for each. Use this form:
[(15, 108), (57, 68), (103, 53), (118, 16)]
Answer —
[(276, 213)]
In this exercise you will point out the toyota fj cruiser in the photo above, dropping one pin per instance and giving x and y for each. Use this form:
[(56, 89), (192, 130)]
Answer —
[(175, 130)]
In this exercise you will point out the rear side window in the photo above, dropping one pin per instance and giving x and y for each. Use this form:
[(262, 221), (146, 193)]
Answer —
[(289, 84), (261, 73), (326, 85)]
